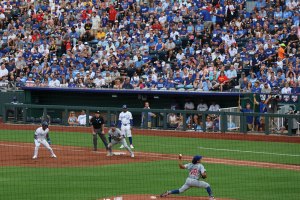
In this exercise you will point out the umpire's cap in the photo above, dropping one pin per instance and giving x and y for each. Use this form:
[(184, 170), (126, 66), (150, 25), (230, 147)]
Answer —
[(45, 124), (124, 106), (196, 159)]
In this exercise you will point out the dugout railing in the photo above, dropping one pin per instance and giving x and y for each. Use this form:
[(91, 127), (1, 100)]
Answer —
[(32, 113)]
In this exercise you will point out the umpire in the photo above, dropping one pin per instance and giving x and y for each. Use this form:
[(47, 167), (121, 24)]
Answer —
[(97, 122)]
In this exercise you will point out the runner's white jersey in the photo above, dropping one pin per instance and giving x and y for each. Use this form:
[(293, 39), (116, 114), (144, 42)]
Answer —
[(40, 133)]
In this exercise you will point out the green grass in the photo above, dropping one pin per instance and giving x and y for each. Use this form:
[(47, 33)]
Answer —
[(236, 182), (186, 146)]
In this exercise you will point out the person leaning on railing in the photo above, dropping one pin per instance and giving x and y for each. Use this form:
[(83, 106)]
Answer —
[(249, 119), (263, 108), (72, 119)]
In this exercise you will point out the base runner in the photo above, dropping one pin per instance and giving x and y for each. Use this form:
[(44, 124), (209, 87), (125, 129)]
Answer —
[(196, 170), (117, 138), (41, 136)]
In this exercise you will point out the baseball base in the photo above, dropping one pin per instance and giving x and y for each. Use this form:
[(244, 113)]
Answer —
[(119, 153)]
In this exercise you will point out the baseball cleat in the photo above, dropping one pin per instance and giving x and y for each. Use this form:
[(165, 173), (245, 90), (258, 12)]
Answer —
[(53, 156), (122, 147), (212, 198), (109, 154), (34, 157), (132, 155), (131, 146), (165, 194)]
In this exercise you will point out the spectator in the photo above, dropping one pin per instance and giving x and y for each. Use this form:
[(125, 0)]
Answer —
[(263, 106), (223, 81), (286, 89), (249, 119), (82, 118), (3, 72), (151, 116), (209, 123), (112, 37), (266, 89), (72, 119), (173, 120), (127, 84), (54, 82), (30, 82)]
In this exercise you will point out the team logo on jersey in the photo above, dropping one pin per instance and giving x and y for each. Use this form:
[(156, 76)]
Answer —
[(286, 98), (294, 98)]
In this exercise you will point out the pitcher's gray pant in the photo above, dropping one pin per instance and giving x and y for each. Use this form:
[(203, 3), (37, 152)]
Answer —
[(193, 183)]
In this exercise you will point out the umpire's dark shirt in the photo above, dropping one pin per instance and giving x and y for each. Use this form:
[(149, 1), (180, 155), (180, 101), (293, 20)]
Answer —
[(97, 122)]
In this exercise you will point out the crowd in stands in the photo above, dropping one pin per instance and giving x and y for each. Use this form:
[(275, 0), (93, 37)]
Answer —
[(202, 45)]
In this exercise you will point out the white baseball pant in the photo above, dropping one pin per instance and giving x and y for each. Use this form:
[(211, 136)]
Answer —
[(193, 183), (126, 130), (38, 142)]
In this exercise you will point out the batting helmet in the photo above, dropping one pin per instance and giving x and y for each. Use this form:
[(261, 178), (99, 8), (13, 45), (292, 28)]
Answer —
[(45, 124), (196, 159)]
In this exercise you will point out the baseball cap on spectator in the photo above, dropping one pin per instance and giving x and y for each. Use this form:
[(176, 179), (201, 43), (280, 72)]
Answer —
[(282, 44), (97, 112), (276, 26), (30, 75)]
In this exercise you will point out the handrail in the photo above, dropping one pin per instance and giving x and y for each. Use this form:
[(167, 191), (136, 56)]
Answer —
[(222, 114)]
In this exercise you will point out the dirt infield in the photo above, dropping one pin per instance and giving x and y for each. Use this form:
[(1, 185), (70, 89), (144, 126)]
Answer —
[(149, 197), (20, 154), (185, 134)]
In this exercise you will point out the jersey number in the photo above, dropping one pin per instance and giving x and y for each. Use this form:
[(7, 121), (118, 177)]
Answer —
[(194, 172)]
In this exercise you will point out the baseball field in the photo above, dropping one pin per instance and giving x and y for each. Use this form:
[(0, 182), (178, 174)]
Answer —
[(238, 166)]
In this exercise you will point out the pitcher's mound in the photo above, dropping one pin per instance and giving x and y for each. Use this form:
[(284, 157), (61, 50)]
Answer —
[(149, 197)]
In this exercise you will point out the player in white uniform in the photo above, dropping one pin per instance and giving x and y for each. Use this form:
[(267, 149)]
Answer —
[(117, 137), (196, 170), (41, 137), (125, 123)]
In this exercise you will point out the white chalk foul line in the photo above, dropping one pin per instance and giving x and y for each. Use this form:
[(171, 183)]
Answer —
[(254, 152), (172, 157)]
